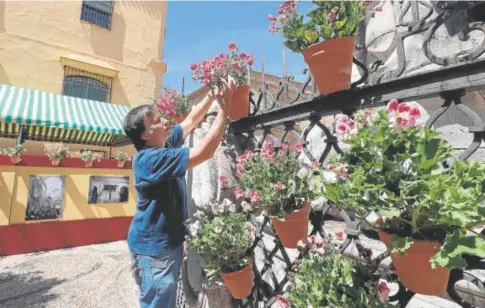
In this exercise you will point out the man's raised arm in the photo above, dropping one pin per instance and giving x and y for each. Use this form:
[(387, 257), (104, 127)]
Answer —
[(197, 114), (209, 144)]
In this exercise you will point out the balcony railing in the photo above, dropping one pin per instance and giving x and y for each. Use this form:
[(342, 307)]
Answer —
[(450, 79)]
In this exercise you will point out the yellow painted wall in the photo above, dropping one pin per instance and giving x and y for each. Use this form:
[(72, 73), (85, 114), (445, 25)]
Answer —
[(75, 193), (7, 179), (34, 35)]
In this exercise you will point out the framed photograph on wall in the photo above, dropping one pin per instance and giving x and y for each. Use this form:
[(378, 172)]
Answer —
[(108, 189), (45, 197)]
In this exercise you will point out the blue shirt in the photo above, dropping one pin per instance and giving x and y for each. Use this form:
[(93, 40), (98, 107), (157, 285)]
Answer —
[(161, 205)]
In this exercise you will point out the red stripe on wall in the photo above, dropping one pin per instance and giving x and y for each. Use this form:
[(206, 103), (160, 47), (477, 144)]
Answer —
[(49, 235), (69, 162)]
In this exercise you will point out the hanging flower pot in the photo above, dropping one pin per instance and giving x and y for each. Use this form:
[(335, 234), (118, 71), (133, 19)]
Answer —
[(240, 283), (294, 227), (56, 162), (16, 159), (179, 118), (414, 269), (121, 164), (330, 63), (89, 163), (240, 103)]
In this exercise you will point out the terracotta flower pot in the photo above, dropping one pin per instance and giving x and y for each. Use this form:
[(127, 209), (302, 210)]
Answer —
[(240, 283), (121, 164), (179, 118), (330, 63), (240, 103), (56, 162), (89, 163), (414, 269), (16, 159), (294, 227)]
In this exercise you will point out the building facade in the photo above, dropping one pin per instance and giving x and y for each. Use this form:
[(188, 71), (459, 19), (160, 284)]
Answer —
[(107, 51), (69, 72)]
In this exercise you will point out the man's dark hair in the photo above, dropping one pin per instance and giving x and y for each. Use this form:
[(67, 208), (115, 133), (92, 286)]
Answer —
[(134, 126)]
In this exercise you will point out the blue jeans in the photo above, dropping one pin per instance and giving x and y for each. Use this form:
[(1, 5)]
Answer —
[(157, 276)]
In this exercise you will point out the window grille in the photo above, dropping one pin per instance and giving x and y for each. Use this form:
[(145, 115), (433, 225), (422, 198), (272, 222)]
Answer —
[(98, 13), (82, 84)]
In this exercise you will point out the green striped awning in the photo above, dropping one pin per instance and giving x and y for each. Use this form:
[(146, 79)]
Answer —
[(53, 117)]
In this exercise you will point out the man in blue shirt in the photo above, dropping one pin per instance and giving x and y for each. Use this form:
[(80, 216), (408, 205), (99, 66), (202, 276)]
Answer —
[(157, 232)]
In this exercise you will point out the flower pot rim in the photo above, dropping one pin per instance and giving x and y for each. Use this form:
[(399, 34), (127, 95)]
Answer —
[(306, 207), (231, 274), (430, 234), (430, 242), (312, 46)]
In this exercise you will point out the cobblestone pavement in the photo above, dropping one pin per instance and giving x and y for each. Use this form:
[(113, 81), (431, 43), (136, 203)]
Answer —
[(88, 277)]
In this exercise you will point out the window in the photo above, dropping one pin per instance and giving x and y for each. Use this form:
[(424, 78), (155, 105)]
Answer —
[(97, 12), (82, 84)]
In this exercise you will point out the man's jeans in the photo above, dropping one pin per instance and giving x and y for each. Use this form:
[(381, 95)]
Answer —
[(157, 276)]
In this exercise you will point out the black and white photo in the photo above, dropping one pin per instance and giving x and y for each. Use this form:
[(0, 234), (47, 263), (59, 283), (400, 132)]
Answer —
[(108, 189), (46, 197)]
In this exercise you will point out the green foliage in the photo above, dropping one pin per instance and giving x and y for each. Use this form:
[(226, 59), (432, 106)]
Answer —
[(273, 180), (334, 281), (12, 151), (222, 238), (329, 19), (396, 170)]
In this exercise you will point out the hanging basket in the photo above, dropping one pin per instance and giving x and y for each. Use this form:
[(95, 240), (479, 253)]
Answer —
[(414, 269), (330, 63), (240, 283), (294, 227), (16, 159), (240, 103)]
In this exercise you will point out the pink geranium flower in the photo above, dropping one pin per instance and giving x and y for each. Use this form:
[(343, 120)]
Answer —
[(232, 47), (238, 193), (255, 196), (222, 181), (280, 186), (340, 236), (383, 291), (281, 302)]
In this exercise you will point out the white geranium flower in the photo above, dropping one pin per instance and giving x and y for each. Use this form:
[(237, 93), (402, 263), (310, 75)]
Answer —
[(330, 177), (199, 214), (194, 228), (246, 207)]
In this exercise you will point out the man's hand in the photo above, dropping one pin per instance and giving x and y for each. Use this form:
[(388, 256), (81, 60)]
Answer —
[(224, 96)]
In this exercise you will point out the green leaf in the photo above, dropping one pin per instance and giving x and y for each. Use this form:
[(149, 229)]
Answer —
[(311, 36), (400, 245), (340, 23), (294, 46), (456, 245)]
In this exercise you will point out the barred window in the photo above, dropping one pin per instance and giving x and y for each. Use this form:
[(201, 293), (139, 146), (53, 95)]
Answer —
[(97, 12), (82, 84)]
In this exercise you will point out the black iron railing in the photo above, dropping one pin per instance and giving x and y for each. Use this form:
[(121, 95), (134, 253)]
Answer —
[(459, 74)]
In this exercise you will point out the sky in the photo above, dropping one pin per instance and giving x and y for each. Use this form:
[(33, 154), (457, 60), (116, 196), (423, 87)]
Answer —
[(198, 30)]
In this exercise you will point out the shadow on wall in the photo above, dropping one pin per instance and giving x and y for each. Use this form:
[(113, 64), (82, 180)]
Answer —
[(150, 7), (3, 74), (118, 94), (2, 15), (27, 289), (108, 43)]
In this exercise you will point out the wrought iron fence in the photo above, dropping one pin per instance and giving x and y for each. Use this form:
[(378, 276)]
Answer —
[(459, 74)]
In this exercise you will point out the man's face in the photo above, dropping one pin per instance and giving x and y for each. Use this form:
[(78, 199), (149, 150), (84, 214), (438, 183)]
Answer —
[(157, 129)]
